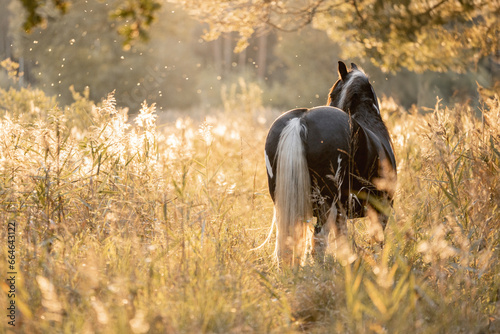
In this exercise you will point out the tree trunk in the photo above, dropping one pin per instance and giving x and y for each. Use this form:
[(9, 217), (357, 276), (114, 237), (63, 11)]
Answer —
[(228, 52), (217, 45), (262, 56)]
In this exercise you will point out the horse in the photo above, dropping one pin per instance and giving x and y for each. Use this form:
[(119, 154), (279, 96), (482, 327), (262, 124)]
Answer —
[(331, 163)]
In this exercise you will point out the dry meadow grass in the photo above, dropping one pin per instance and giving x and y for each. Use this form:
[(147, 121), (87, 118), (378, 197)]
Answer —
[(146, 227)]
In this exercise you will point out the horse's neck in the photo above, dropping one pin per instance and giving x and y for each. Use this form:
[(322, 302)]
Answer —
[(374, 124), (365, 117)]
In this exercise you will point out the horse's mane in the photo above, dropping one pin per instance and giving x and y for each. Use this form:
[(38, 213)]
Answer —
[(352, 87), (359, 102)]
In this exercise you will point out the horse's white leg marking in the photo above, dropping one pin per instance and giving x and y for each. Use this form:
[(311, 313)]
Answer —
[(268, 166)]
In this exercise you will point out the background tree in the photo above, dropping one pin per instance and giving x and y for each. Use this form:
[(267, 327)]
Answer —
[(288, 47), (83, 48), (436, 35), (134, 16), (418, 35)]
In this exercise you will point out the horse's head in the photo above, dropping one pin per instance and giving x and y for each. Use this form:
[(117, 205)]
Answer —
[(352, 89)]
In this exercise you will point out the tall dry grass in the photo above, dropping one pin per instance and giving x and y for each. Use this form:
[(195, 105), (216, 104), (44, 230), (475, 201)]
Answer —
[(129, 226)]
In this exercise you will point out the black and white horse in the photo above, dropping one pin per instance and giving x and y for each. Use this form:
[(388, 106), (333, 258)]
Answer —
[(332, 162)]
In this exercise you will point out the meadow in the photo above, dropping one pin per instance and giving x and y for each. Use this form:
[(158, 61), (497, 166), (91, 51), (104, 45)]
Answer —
[(146, 225)]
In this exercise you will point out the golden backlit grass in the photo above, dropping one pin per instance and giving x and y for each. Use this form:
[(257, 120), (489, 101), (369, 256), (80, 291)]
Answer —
[(143, 226)]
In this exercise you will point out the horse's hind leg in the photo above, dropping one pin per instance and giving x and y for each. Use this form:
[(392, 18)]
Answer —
[(332, 225), (342, 247), (325, 223), (378, 222)]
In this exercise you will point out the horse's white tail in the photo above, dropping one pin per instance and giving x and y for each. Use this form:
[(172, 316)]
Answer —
[(292, 204)]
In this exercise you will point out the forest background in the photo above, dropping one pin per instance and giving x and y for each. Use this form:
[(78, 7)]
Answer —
[(85, 47)]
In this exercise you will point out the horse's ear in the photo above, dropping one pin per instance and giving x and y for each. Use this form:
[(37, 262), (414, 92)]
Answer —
[(354, 66), (342, 70)]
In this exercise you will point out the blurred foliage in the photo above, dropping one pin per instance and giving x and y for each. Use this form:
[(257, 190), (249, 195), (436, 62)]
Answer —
[(12, 69), (27, 105), (416, 35), (179, 70), (140, 226), (136, 16), (37, 14), (83, 49)]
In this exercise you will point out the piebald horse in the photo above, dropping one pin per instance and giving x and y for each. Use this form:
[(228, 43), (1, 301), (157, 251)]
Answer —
[(332, 162)]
